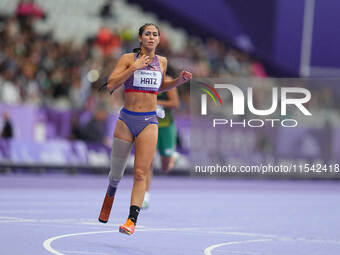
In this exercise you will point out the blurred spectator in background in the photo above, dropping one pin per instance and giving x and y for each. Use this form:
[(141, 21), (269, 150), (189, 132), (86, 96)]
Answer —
[(26, 11), (7, 130), (9, 90), (258, 70), (28, 8), (95, 130), (76, 132), (108, 41), (106, 11)]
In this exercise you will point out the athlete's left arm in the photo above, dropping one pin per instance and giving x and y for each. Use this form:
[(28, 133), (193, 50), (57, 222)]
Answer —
[(183, 77), (173, 100)]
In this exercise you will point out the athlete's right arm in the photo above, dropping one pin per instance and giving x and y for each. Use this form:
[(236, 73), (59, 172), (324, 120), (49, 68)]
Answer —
[(124, 69)]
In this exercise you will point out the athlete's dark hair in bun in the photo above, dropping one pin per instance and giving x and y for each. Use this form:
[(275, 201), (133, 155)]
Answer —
[(140, 33), (142, 28), (135, 50)]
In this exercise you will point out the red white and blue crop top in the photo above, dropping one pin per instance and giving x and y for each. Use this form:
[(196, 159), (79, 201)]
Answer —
[(146, 80)]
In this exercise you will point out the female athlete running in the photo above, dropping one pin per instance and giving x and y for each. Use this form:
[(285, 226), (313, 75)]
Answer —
[(143, 75)]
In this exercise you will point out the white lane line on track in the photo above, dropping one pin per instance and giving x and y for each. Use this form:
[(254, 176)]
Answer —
[(269, 237), (240, 252), (242, 234), (88, 221), (84, 252), (39, 211), (209, 249), (8, 218), (47, 243)]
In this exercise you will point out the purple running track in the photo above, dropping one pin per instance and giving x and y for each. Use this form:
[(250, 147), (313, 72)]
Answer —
[(57, 214)]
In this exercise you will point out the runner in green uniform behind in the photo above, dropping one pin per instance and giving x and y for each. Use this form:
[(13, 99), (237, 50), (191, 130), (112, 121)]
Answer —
[(167, 136), (167, 133)]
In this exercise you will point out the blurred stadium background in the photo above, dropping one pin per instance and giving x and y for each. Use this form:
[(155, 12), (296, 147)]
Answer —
[(56, 129), (53, 54)]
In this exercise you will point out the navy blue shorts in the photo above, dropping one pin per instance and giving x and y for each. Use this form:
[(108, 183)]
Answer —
[(137, 121)]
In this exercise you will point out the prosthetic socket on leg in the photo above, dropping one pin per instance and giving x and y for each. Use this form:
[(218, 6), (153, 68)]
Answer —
[(119, 155)]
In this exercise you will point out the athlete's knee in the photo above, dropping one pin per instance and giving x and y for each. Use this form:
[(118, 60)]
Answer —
[(140, 174)]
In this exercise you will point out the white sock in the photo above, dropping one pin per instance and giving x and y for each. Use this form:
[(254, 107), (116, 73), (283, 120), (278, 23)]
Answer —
[(147, 196)]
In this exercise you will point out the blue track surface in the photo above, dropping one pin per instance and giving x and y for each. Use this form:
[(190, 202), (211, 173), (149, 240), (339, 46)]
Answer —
[(57, 214)]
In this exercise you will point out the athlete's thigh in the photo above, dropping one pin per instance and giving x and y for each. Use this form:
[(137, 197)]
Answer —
[(145, 146), (168, 137), (122, 131)]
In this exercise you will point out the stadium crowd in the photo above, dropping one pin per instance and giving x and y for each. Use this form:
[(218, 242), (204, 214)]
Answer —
[(36, 69)]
